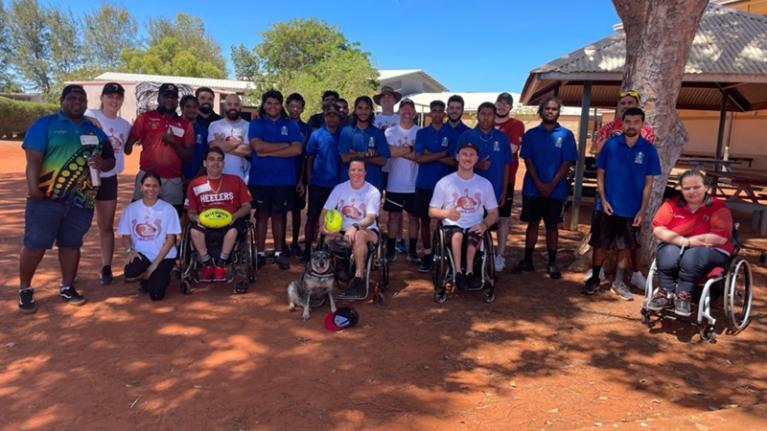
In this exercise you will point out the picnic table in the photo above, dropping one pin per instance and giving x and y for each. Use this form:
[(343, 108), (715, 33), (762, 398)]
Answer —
[(745, 183), (700, 162)]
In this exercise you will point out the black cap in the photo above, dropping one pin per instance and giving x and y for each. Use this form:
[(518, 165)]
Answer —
[(469, 144), (72, 88), (506, 97), (113, 88), (331, 108), (168, 88)]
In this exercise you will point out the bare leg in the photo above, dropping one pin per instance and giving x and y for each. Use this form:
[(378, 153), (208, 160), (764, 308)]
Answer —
[(69, 258), (229, 240), (471, 251), (412, 228), (552, 238), (278, 230), (198, 240), (29, 260), (262, 218), (426, 232), (394, 225), (105, 215), (503, 233), (531, 235), (455, 245)]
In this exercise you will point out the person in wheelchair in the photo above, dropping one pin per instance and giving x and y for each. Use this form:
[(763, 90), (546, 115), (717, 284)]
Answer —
[(216, 190), (460, 201), (694, 232), (359, 203)]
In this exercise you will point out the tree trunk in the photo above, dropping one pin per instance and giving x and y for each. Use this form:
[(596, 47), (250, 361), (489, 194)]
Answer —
[(659, 36)]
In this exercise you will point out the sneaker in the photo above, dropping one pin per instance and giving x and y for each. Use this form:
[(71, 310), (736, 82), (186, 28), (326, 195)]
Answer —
[(282, 261), (682, 305), (391, 255), (27, 304), (261, 260), (426, 262), (553, 270), (473, 282), (524, 266), (219, 273), (400, 246), (659, 301), (413, 258), (460, 281), (285, 251), (206, 273), (638, 280), (295, 249), (500, 262), (620, 289), (590, 272), (591, 286), (70, 295), (356, 287), (106, 274)]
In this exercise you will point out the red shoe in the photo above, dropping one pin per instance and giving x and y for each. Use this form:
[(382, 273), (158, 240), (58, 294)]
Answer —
[(206, 274), (219, 273)]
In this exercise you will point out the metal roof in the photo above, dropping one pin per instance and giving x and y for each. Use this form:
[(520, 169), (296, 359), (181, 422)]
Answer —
[(391, 74), (729, 52), (222, 84)]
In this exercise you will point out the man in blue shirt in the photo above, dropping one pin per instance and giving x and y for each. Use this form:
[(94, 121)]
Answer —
[(549, 150), (190, 111), (361, 139), (295, 104), (626, 166), (276, 141), (455, 106), (65, 153), (322, 170)]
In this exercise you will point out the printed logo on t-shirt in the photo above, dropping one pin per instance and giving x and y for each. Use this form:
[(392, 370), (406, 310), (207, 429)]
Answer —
[(496, 146), (211, 198), (558, 143), (147, 230), (371, 142), (350, 209), (639, 159), (284, 131), (466, 203), (444, 142)]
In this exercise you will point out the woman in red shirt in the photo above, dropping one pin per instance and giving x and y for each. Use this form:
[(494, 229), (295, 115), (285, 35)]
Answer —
[(695, 236)]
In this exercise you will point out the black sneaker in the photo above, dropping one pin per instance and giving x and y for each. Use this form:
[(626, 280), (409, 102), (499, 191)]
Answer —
[(27, 304), (70, 294), (261, 260), (286, 252), (356, 287), (460, 281), (400, 246), (282, 261), (295, 249), (426, 262), (682, 307), (591, 286), (553, 270), (413, 258), (106, 274), (391, 255), (523, 266), (473, 282)]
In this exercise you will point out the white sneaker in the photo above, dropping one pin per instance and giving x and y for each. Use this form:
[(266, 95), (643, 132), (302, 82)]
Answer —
[(622, 290), (590, 271), (638, 280), (500, 262)]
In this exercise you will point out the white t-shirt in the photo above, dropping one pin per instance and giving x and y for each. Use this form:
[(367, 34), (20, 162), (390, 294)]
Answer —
[(149, 226), (354, 204), (471, 197), (233, 164), (402, 172), (117, 130), (383, 122)]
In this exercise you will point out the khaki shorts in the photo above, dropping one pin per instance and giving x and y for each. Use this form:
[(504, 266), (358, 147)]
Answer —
[(171, 189)]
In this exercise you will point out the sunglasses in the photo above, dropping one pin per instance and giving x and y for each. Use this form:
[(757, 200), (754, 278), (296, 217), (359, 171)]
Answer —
[(632, 93)]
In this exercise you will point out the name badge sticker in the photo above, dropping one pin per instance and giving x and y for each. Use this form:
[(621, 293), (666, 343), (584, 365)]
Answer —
[(202, 188), (89, 140), (177, 131)]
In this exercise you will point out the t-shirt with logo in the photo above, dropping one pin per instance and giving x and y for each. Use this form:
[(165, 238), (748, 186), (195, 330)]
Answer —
[(191, 168), (493, 146), (66, 147), (156, 155), (117, 130), (149, 226), (228, 192), (626, 169), (434, 141), (305, 130), (548, 150), (323, 146), (354, 204), (383, 122), (233, 164), (712, 218), (456, 132), (360, 140), (513, 129), (470, 197), (269, 170), (402, 172)]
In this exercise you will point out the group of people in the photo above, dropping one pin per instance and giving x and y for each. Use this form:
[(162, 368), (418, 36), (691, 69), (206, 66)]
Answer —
[(353, 162)]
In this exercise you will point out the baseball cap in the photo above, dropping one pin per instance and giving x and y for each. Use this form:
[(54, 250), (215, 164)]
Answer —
[(469, 144), (331, 108), (112, 88), (506, 97), (344, 317), (72, 88), (168, 88), (407, 101)]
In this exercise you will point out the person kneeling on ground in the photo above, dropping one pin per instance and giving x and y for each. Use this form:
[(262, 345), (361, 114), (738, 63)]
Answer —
[(695, 236), (216, 190), (149, 227), (459, 201), (359, 203)]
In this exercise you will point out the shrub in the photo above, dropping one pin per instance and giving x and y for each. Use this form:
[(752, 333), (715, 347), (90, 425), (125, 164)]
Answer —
[(17, 116)]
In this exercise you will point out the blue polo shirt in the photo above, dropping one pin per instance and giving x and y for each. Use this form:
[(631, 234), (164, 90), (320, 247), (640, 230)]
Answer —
[(65, 146), (434, 141), (360, 140), (190, 168), (494, 146), (305, 131), (455, 133), (625, 171), (547, 151), (326, 167), (269, 170)]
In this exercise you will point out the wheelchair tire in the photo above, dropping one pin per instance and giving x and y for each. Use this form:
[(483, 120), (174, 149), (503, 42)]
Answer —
[(379, 299), (440, 268), (241, 287), (252, 253), (737, 300), (381, 256), (440, 296)]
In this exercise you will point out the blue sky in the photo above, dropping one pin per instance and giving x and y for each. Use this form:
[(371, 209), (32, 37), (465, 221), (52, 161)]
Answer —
[(481, 46)]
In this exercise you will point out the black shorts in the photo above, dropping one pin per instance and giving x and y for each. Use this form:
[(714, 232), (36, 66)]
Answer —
[(471, 238), (272, 199), (505, 210), (613, 232), (299, 200), (535, 208), (108, 189), (396, 202), (318, 195), (214, 238), (421, 202)]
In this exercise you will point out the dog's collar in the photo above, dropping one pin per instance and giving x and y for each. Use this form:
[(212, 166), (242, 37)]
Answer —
[(325, 275)]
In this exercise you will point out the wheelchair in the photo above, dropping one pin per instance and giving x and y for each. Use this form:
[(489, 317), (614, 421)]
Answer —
[(376, 269), (243, 261), (732, 282), (443, 269)]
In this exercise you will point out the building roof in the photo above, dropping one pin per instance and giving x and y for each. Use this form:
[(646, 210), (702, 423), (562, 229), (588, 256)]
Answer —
[(472, 100), (729, 52), (391, 74), (223, 84)]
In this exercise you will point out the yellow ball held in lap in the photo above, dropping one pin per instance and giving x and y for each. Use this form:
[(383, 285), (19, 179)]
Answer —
[(333, 221), (215, 218)]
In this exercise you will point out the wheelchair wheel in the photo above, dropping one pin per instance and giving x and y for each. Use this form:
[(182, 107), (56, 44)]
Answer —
[(738, 294), (489, 260), (440, 269), (186, 254), (251, 252), (381, 257), (708, 333)]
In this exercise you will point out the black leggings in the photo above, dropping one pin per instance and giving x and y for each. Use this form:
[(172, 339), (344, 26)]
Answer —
[(158, 281)]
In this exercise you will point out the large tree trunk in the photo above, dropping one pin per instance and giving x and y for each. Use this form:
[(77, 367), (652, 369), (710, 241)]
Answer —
[(659, 36)]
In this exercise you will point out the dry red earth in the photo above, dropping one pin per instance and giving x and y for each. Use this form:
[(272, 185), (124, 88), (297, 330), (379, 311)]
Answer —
[(541, 357)]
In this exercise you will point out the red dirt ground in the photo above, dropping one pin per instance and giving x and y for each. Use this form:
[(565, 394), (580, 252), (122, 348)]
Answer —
[(541, 357)]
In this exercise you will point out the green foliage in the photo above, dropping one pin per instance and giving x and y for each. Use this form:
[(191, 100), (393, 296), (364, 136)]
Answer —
[(108, 31), (7, 82), (16, 116)]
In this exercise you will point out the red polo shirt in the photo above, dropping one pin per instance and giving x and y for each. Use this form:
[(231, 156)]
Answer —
[(156, 155), (228, 192), (715, 218), (513, 129)]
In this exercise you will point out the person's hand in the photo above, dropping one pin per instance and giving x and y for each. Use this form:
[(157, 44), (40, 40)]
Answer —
[(547, 189), (606, 207), (453, 214), (484, 164), (95, 161), (695, 241), (638, 219), (168, 138), (36, 195), (131, 256), (150, 270), (478, 229)]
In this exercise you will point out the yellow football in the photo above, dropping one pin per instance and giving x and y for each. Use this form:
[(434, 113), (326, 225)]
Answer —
[(333, 221), (215, 218)]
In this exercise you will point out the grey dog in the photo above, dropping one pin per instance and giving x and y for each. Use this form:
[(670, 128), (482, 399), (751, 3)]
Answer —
[(316, 283)]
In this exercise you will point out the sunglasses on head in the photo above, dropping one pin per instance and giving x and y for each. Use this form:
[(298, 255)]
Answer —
[(632, 93)]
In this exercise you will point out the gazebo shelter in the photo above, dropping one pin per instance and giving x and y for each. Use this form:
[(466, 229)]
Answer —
[(726, 71)]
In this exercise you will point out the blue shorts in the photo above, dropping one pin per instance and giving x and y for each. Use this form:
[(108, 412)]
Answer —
[(47, 221)]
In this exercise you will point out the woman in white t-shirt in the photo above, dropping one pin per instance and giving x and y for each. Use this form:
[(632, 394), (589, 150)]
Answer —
[(149, 227), (117, 129), (359, 203)]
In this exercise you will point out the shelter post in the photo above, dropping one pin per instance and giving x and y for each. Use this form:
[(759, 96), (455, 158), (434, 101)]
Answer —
[(720, 134), (580, 165)]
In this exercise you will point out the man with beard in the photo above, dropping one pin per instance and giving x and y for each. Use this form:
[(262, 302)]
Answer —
[(549, 150), (230, 134), (514, 129), (192, 168), (205, 96), (317, 120), (166, 141), (626, 166), (343, 109), (295, 104)]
